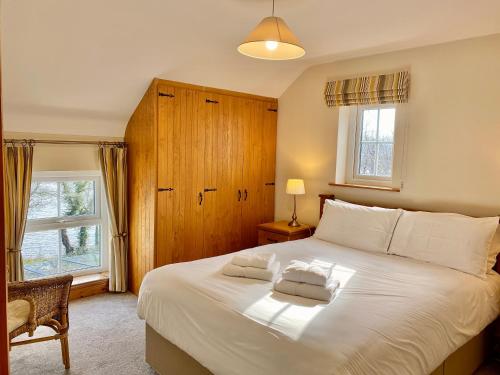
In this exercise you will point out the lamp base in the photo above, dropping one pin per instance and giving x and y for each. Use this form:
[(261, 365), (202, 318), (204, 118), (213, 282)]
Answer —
[(294, 222)]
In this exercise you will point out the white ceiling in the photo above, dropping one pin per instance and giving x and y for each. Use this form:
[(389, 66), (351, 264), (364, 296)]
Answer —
[(80, 67)]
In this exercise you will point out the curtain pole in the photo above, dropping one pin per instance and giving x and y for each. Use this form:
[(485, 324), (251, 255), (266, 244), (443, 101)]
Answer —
[(63, 142)]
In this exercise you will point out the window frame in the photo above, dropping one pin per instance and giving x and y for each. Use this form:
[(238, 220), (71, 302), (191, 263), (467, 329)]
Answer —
[(354, 144), (100, 217)]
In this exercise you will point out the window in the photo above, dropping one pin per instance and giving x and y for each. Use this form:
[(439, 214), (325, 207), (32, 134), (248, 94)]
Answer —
[(374, 154), (375, 145), (66, 231)]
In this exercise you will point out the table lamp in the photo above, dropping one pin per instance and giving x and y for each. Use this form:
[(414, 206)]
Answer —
[(295, 187)]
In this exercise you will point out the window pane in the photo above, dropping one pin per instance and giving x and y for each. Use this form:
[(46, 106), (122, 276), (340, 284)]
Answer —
[(40, 254), (77, 198), (81, 248), (386, 124), (369, 129), (384, 162), (58, 251), (367, 156), (43, 200)]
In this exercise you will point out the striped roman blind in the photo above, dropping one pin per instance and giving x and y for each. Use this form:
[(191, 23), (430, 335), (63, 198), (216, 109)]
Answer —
[(387, 88)]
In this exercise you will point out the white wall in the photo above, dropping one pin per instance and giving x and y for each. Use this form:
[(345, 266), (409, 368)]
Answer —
[(453, 150), (63, 157)]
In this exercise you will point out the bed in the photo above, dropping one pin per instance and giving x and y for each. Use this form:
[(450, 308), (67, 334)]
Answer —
[(391, 315)]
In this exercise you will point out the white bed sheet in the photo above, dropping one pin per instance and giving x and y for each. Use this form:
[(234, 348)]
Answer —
[(391, 315)]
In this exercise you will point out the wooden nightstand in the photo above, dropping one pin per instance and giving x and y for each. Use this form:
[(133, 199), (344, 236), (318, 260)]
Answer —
[(279, 231)]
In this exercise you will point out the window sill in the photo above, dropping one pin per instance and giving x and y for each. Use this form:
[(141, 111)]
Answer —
[(89, 285), (382, 188), (85, 279)]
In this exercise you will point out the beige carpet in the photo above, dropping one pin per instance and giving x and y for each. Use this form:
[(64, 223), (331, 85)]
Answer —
[(106, 337)]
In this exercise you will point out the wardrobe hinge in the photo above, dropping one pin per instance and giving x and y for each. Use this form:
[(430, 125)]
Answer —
[(272, 110), (269, 183), (167, 95), (212, 101)]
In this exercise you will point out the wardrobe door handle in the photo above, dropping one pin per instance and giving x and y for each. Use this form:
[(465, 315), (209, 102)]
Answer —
[(246, 194), (239, 195), (200, 198)]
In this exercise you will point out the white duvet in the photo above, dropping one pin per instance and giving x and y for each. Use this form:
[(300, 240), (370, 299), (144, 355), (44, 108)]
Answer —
[(391, 315)]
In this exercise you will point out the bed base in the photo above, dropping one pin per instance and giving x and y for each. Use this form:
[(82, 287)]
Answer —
[(168, 359), (467, 359)]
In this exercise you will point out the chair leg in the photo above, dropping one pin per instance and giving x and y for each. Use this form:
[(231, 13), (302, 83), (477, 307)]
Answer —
[(64, 341), (65, 351)]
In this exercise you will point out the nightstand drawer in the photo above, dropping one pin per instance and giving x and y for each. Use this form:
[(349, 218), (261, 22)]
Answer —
[(266, 238), (279, 231)]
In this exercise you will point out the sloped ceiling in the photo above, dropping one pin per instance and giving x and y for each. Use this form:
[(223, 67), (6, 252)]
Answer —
[(80, 67)]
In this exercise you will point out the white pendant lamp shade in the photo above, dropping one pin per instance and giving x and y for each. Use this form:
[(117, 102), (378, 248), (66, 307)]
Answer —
[(272, 39)]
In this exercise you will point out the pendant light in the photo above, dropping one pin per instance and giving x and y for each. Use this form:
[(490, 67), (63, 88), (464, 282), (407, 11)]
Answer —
[(272, 39)]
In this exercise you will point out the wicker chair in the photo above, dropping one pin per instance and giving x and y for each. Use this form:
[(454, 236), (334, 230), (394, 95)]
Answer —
[(48, 301)]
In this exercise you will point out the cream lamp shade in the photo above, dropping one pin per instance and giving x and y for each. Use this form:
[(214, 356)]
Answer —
[(295, 186), (272, 39)]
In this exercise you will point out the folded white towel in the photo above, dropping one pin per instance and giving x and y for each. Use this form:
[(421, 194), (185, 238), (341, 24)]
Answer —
[(317, 272), (252, 272), (322, 293), (262, 260)]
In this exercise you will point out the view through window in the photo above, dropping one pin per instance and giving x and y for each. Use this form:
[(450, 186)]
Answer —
[(65, 232), (376, 143)]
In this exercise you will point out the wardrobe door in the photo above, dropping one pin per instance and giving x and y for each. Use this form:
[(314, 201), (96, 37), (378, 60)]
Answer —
[(252, 118), (236, 185), (231, 174), (268, 170), (223, 160), (181, 143)]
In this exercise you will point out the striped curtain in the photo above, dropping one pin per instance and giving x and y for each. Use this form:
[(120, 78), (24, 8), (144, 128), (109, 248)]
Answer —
[(18, 162), (387, 88), (113, 161)]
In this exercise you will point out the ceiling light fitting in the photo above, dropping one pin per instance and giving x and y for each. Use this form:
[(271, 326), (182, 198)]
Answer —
[(272, 39)]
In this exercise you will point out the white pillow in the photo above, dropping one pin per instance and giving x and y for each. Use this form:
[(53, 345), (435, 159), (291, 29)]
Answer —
[(331, 201), (358, 227), (494, 250), (451, 240)]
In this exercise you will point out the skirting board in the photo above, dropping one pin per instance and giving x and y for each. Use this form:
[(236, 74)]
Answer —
[(167, 359)]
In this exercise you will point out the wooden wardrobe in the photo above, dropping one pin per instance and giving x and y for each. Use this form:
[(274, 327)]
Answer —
[(201, 169)]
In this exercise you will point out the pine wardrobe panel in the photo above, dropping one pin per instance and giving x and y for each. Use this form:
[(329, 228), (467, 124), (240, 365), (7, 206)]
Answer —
[(140, 137), (180, 177), (268, 170), (201, 174)]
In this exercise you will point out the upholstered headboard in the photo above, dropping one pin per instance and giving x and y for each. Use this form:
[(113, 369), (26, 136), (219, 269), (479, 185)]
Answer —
[(323, 197)]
